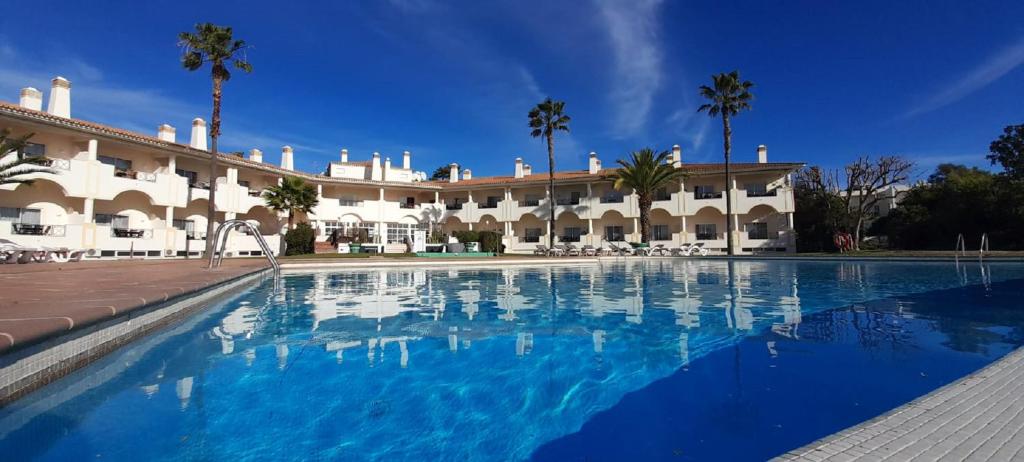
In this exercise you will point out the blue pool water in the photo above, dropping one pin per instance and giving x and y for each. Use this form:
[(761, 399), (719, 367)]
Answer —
[(657, 360)]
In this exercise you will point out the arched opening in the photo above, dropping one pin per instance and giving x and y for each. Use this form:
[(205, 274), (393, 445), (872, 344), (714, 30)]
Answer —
[(263, 218), (708, 224), (762, 222), (130, 214), (664, 226), (191, 219), (613, 227), (570, 228), (39, 209), (530, 229), (488, 223), (453, 224)]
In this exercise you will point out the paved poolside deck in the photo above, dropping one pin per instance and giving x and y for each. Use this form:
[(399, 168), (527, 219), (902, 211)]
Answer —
[(979, 417), (43, 300)]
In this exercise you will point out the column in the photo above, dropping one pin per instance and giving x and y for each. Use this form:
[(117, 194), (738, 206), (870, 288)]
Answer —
[(169, 231), (590, 224), (684, 237)]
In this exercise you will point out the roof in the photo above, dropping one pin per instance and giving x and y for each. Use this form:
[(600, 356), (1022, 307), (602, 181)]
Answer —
[(570, 176), (604, 174), (17, 111)]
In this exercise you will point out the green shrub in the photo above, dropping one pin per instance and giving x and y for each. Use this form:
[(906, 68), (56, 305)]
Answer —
[(466, 236), (299, 240), (490, 241)]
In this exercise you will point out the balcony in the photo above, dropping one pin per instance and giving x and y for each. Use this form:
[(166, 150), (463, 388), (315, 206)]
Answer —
[(701, 196), (532, 239), (406, 205), (131, 233), (771, 193), (612, 199), (457, 206), (493, 205), (32, 229), (568, 201), (528, 203)]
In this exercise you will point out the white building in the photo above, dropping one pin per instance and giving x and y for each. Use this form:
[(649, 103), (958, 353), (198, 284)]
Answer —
[(122, 194)]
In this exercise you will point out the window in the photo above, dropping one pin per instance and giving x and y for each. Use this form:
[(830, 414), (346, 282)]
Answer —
[(398, 232), (190, 176), (660, 233), (18, 215), (572, 234), (706, 232), (348, 201), (188, 226), (612, 197), (492, 202), (410, 203), (614, 233), (662, 194), (244, 183), (121, 166), (455, 204), (573, 198), (371, 231), (757, 230), (758, 190), (532, 200), (32, 150), (705, 192), (532, 235), (114, 221)]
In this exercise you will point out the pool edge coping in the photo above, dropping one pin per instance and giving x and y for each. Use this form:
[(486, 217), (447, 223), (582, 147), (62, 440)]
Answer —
[(37, 364)]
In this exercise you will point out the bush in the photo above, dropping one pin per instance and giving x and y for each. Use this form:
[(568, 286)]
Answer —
[(299, 240), (490, 241)]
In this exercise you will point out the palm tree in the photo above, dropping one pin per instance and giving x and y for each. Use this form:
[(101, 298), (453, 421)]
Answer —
[(645, 173), (729, 96), (546, 119), (12, 170), (292, 195), (213, 44)]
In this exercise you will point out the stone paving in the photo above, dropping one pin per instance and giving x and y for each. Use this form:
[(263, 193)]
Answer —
[(980, 417), (42, 300)]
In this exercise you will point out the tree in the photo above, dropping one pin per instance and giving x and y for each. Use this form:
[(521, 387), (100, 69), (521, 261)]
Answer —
[(547, 118), (1008, 151), (729, 96), (866, 181), (292, 195), (214, 45), (443, 173), (12, 170), (645, 172)]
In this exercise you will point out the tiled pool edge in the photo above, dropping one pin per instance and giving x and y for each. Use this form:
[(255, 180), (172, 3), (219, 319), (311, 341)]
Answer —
[(28, 369), (940, 425)]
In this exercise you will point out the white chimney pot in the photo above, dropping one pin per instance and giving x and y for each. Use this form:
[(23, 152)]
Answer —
[(762, 154), (406, 160), (287, 158), (31, 99), (595, 164), (453, 173), (519, 167), (467, 174), (198, 140), (256, 155), (60, 97), (344, 156), (677, 156), (166, 133)]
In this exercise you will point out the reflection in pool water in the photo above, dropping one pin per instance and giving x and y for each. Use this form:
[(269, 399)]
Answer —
[(663, 359)]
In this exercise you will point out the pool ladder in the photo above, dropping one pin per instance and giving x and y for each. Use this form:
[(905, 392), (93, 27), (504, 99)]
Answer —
[(960, 249), (220, 241)]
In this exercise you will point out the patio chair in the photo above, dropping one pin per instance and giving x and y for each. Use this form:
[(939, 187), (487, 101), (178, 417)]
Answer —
[(541, 250), (589, 251)]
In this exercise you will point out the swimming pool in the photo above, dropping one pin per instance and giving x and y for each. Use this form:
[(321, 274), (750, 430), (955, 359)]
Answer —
[(665, 359)]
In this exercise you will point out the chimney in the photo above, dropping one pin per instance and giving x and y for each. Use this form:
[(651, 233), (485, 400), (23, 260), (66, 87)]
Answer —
[(287, 158), (519, 167), (677, 156), (762, 154), (406, 160), (256, 155), (467, 174), (453, 173), (60, 97), (165, 133), (198, 134), (31, 99), (344, 156), (387, 167), (375, 173), (527, 170), (595, 163)]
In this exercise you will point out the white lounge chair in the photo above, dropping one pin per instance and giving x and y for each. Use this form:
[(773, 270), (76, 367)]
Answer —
[(660, 249), (589, 251), (622, 248), (572, 251), (687, 250), (541, 250)]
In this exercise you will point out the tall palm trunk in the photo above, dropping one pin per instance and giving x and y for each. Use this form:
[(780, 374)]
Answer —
[(727, 129), (645, 201), (551, 190), (211, 210)]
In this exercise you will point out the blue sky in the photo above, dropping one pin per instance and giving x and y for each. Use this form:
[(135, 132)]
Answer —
[(452, 81)]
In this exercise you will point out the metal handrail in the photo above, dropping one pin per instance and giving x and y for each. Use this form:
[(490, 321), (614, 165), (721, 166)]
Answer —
[(220, 241), (984, 246)]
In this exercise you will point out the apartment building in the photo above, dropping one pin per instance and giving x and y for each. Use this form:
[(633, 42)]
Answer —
[(126, 194)]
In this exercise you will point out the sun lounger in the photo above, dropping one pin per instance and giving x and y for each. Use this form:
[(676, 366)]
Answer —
[(561, 250), (687, 250), (541, 250), (660, 249), (572, 251), (589, 251)]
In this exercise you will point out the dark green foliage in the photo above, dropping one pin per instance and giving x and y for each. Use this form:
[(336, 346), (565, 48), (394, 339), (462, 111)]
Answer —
[(956, 200), (442, 173), (816, 220), (490, 241), (645, 172), (1008, 151), (299, 239)]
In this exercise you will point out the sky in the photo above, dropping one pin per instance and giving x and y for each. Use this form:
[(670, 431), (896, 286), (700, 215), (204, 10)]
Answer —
[(934, 81)]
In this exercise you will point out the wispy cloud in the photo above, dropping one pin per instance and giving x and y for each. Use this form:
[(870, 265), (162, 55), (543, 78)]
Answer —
[(691, 126), (987, 72), (633, 31)]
